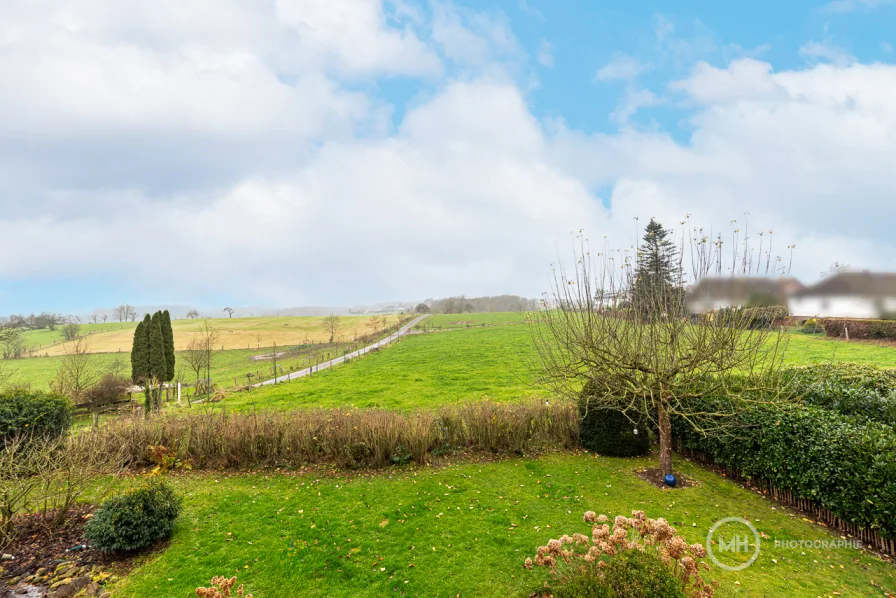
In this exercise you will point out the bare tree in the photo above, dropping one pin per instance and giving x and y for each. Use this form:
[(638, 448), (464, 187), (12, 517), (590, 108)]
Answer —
[(229, 311), (77, 370), (192, 314), (274, 359), (12, 338), (332, 323), (836, 268), (208, 338), (125, 313), (104, 318), (612, 337), (195, 357), (94, 318)]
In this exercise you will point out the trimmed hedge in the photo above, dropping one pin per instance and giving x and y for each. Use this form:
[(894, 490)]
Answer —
[(608, 431), (844, 464), (755, 318), (847, 388), (34, 413), (135, 519), (860, 329)]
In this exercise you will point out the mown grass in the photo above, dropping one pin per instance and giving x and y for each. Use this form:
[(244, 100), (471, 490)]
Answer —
[(428, 370), (464, 530)]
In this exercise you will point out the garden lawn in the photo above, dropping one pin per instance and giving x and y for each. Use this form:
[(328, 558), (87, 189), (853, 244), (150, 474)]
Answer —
[(464, 530), (432, 369)]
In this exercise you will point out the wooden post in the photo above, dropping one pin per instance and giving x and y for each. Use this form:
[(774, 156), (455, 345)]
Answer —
[(846, 330), (178, 392)]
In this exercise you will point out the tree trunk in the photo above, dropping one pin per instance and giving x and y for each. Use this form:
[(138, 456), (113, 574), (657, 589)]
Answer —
[(665, 426)]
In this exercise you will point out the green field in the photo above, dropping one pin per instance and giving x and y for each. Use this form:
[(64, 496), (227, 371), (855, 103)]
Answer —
[(445, 321), (428, 370), (463, 530)]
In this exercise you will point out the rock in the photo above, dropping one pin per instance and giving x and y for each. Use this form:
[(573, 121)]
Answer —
[(7, 557)]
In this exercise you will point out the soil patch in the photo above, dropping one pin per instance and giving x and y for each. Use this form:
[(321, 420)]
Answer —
[(654, 476)]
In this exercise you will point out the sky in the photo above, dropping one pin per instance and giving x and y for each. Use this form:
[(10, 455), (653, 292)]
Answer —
[(308, 152)]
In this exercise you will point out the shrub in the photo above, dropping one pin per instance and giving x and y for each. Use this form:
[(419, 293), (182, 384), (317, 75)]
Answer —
[(636, 574), (34, 413), (108, 389), (754, 318), (135, 519), (812, 326), (860, 329), (636, 557), (608, 431), (844, 464), (220, 588)]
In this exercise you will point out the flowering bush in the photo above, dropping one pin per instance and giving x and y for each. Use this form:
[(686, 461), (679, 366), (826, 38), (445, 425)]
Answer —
[(604, 555), (220, 588)]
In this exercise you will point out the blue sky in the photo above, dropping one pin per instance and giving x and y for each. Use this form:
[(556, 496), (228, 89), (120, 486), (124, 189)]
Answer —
[(302, 152)]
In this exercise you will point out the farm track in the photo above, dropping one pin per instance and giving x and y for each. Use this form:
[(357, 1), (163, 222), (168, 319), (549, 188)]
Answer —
[(336, 361)]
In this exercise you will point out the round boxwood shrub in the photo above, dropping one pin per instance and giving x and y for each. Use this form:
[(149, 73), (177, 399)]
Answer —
[(640, 574), (608, 431), (134, 520), (34, 413)]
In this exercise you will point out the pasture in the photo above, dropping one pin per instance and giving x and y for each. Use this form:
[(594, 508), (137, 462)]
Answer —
[(235, 333), (463, 529)]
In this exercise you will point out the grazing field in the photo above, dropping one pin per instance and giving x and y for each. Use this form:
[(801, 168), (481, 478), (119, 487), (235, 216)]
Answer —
[(235, 333), (428, 370), (39, 371), (472, 320), (464, 530)]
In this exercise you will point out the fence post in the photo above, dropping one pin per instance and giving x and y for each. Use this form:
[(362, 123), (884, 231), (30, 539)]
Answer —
[(178, 392)]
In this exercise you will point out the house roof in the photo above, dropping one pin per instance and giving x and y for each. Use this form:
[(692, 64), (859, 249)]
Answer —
[(741, 289), (863, 284)]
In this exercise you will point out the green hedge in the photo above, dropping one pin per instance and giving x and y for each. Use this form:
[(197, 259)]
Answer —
[(753, 318), (845, 464), (34, 413), (608, 431), (860, 329), (847, 388)]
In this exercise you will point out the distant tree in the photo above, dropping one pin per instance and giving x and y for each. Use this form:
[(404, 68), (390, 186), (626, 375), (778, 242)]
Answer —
[(77, 371), (195, 357), (229, 311), (104, 318), (422, 308), (836, 268), (208, 337), (125, 313), (12, 338), (70, 331), (331, 325), (373, 324), (658, 272), (168, 335), (192, 314), (94, 318)]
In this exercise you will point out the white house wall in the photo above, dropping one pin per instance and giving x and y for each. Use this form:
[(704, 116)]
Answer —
[(833, 307)]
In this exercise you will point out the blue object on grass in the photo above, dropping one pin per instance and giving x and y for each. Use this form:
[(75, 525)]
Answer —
[(670, 480)]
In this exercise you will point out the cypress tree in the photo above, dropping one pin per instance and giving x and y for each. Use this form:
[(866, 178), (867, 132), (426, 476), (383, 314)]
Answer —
[(168, 336), (140, 352), (158, 364)]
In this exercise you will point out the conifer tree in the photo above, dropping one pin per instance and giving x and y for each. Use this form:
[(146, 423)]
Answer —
[(658, 275), (158, 363), (140, 368), (168, 336)]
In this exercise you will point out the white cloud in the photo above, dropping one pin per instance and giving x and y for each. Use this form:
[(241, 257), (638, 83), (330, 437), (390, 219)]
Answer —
[(814, 51), (622, 67), (545, 54)]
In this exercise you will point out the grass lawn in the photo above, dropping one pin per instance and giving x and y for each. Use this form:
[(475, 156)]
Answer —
[(464, 530), (234, 333), (428, 370)]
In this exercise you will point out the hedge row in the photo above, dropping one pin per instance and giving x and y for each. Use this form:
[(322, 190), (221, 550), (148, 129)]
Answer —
[(860, 329), (844, 464), (754, 318), (24, 412), (847, 388)]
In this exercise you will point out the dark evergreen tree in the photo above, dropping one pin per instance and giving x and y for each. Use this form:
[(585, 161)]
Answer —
[(658, 277), (140, 353), (158, 363), (168, 336)]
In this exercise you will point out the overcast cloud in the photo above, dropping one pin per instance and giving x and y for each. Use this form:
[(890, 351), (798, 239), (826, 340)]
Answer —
[(246, 141)]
